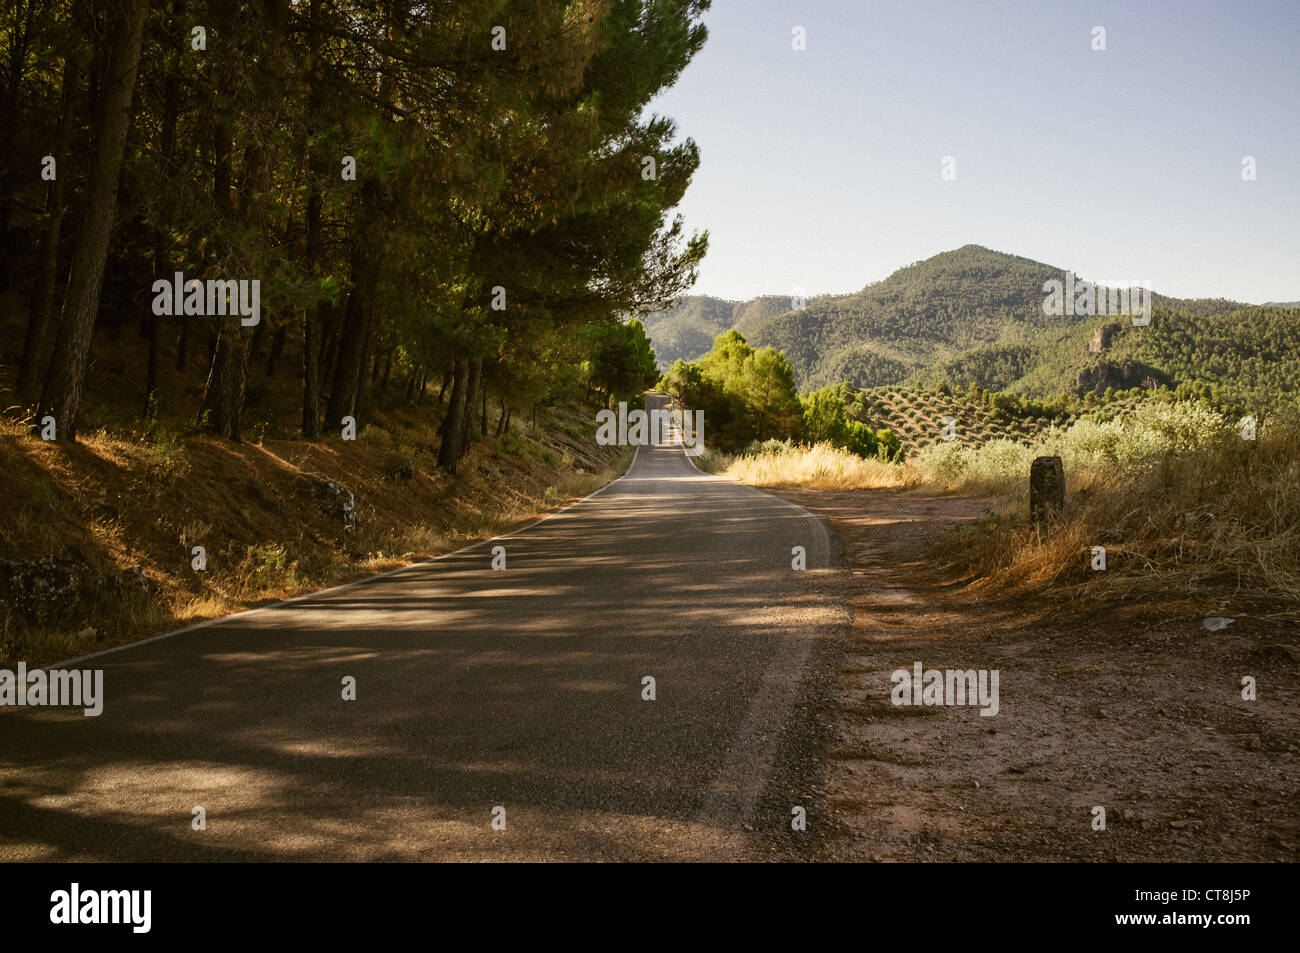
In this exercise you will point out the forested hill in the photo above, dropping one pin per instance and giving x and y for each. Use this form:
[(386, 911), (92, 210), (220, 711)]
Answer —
[(931, 309), (686, 332), (973, 315), (1249, 356)]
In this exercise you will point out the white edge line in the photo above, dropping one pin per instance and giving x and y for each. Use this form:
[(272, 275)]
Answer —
[(346, 585)]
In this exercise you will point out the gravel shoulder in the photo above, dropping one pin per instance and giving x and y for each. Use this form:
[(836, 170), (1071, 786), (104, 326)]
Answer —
[(1147, 722)]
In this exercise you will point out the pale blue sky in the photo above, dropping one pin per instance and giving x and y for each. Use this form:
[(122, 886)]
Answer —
[(821, 168)]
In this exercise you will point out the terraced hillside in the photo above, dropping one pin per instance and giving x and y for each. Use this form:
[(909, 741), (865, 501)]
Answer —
[(917, 416)]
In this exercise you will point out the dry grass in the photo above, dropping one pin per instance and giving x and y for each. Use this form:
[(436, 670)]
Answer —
[(118, 501), (1192, 517), (821, 467), (1215, 530), (96, 537)]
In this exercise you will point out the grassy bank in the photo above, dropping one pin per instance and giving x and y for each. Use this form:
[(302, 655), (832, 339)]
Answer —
[(98, 545)]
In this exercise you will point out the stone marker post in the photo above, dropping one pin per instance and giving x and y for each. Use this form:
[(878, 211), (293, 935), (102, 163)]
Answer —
[(1046, 488)]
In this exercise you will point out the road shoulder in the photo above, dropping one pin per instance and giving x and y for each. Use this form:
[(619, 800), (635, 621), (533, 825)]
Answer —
[(1145, 722)]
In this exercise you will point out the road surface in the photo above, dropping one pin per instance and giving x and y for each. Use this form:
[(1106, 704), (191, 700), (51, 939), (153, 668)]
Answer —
[(481, 695)]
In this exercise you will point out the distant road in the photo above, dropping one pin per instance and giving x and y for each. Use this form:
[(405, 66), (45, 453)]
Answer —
[(476, 689)]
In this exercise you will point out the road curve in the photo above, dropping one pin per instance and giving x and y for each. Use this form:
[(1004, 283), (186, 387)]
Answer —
[(476, 689)]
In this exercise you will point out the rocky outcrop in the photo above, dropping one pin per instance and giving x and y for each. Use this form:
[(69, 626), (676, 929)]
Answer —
[(1121, 375)]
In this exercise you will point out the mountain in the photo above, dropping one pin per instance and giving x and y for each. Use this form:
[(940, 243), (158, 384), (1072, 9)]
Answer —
[(976, 316), (686, 332)]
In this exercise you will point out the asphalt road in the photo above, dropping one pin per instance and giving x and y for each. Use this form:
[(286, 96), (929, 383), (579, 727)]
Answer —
[(476, 689)]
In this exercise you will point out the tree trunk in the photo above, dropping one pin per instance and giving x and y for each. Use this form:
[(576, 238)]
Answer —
[(367, 343), (453, 424), (227, 347), (347, 368), (259, 334), (154, 334), (227, 381), (19, 39), (65, 384), (38, 324), (331, 318), (167, 147), (223, 398), (312, 318), (467, 426), (311, 372), (314, 321), (277, 347)]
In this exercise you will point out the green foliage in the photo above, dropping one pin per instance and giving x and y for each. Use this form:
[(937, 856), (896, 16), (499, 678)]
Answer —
[(745, 394), (826, 420), (1125, 444), (888, 445), (498, 220)]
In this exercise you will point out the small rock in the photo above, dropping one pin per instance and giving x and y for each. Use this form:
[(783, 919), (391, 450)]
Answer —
[(1180, 825), (335, 501), (1215, 623), (1254, 743)]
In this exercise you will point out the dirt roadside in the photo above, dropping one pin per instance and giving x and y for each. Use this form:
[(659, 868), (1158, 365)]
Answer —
[(1146, 721)]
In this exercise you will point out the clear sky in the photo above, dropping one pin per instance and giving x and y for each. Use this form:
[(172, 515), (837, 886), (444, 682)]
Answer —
[(821, 169)]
